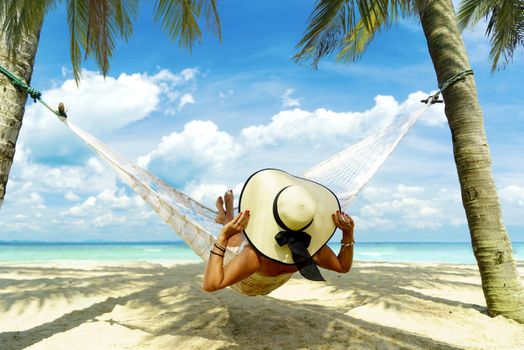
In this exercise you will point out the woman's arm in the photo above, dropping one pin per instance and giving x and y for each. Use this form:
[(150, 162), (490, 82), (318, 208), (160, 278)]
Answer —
[(327, 259), (216, 275)]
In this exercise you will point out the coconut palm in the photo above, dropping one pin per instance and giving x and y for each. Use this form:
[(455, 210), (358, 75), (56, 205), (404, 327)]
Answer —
[(505, 26), (94, 28), (347, 27)]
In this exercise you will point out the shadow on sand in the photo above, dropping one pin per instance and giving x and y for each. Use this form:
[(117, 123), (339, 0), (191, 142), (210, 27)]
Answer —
[(168, 302)]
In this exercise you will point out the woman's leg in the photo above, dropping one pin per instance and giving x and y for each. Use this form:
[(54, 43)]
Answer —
[(225, 207), (229, 201), (225, 215)]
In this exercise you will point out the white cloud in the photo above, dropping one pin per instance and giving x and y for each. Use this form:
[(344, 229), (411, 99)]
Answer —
[(207, 193), (200, 147), (321, 125), (204, 161), (325, 127), (185, 99), (107, 208), (28, 174), (95, 165), (408, 207), (403, 190), (99, 105), (70, 196), (288, 101), (434, 115), (105, 200), (513, 194), (107, 219)]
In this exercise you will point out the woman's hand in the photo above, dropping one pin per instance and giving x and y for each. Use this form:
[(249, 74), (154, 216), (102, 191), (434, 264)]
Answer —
[(235, 226), (344, 222)]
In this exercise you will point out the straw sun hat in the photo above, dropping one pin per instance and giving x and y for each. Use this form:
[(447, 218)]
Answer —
[(290, 218)]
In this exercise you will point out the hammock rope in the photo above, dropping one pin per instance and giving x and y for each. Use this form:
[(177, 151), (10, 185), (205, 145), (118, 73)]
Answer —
[(345, 173)]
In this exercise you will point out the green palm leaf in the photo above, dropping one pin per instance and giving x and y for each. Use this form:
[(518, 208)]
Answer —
[(95, 26), (179, 18), (348, 26), (505, 26), (22, 16)]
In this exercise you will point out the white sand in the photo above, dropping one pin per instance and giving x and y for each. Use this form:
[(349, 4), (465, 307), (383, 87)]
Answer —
[(86, 305)]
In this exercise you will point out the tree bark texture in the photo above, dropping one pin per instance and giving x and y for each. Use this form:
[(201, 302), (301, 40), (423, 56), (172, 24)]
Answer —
[(12, 100), (491, 245)]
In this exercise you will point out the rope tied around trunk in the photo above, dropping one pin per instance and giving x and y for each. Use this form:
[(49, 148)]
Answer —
[(459, 76), (34, 93)]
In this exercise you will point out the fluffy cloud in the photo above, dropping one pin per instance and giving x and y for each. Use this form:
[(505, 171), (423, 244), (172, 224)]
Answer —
[(288, 101), (207, 193), (513, 194), (204, 161), (326, 127), (185, 100), (99, 105), (200, 151), (29, 175), (199, 148), (103, 202), (408, 207)]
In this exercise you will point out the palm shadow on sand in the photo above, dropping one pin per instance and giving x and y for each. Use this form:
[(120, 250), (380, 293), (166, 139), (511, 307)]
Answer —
[(168, 304)]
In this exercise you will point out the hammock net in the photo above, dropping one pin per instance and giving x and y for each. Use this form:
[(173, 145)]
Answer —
[(345, 174)]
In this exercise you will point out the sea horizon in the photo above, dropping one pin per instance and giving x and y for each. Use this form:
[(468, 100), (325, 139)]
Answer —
[(177, 251)]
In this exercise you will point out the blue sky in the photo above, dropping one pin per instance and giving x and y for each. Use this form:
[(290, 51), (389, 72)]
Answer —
[(190, 119)]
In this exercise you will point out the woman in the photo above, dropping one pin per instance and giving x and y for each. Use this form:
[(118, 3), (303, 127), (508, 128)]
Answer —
[(297, 210)]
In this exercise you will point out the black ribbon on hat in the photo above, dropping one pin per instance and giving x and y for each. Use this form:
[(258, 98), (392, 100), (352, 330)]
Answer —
[(298, 242)]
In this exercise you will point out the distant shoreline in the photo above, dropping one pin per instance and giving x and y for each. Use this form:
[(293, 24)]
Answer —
[(177, 251)]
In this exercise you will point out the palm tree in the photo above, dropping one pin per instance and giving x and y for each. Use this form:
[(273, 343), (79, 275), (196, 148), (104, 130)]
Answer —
[(348, 26), (94, 27)]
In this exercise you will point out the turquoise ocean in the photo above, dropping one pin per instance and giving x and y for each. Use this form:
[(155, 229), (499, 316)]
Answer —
[(32, 252)]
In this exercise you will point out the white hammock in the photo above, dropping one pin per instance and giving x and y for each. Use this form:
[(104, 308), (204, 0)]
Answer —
[(345, 174)]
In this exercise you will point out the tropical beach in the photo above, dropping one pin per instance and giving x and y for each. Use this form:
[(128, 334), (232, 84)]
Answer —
[(142, 305), (155, 301), (261, 175)]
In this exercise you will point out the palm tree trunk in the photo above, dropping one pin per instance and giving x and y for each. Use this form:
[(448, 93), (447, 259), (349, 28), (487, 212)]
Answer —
[(12, 100), (491, 245)]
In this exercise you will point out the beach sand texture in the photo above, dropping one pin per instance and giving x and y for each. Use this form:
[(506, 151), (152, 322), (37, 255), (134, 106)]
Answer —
[(74, 305)]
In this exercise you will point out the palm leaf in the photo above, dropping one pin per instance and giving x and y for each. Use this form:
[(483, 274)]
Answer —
[(505, 26), (104, 21), (179, 18), (348, 26), (19, 17)]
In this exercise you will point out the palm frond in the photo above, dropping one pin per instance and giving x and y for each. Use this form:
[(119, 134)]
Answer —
[(94, 27), (179, 18), (212, 18), (77, 14), (357, 40), (347, 26), (505, 26), (326, 25)]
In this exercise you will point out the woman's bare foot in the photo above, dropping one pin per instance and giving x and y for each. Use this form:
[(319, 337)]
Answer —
[(228, 199), (221, 214)]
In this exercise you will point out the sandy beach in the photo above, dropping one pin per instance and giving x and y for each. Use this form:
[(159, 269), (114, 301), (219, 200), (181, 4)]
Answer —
[(89, 305)]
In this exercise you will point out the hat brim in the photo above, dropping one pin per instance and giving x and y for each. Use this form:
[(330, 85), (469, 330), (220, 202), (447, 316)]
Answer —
[(258, 195)]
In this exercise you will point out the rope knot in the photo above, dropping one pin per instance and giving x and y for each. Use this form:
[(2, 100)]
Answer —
[(34, 93)]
